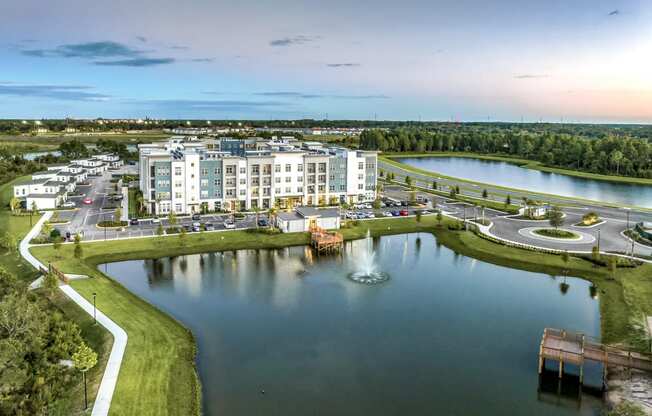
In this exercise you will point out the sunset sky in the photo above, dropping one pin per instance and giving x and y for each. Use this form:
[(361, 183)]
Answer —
[(579, 60)]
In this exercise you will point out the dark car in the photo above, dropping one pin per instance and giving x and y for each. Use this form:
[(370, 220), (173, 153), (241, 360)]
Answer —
[(404, 203), (262, 222), (133, 221), (209, 227), (67, 235), (196, 217), (187, 228), (395, 213)]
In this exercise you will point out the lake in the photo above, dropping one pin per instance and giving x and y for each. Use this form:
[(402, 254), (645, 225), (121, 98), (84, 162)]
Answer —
[(445, 335), (511, 175)]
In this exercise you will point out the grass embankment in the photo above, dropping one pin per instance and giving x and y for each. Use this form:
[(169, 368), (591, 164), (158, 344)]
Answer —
[(529, 164), (18, 226), (158, 375), (94, 335), (51, 141)]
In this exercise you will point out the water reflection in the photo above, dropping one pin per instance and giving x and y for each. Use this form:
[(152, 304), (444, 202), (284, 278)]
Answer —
[(507, 174), (443, 329)]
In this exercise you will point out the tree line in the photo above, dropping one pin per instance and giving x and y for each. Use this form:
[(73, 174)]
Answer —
[(612, 155)]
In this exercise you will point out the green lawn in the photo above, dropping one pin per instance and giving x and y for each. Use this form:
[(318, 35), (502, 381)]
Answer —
[(158, 375), (18, 226)]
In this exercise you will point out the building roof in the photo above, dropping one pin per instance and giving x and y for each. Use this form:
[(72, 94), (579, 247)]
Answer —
[(289, 216), (318, 212), (45, 196)]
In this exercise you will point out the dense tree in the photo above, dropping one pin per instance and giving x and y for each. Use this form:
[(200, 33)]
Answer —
[(604, 151), (555, 216)]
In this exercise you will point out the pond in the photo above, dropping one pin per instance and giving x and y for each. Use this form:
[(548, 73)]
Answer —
[(446, 334), (511, 175)]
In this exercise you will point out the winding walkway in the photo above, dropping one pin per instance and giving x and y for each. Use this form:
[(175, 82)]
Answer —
[(112, 370)]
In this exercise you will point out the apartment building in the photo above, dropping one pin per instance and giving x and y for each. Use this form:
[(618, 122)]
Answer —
[(187, 176)]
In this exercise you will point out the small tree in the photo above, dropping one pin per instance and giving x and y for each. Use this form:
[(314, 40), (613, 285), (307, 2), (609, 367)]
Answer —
[(84, 359), (14, 204), (9, 242), (413, 197), (56, 244), (565, 257), (50, 282), (172, 218), (408, 180), (508, 200), (377, 203), (159, 230), (78, 253), (440, 217), (418, 216), (47, 228), (117, 215), (182, 235), (555, 216), (434, 185), (612, 263), (457, 189), (485, 194)]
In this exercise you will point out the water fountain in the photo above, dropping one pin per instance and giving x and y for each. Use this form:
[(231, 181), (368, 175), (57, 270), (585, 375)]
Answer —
[(367, 272)]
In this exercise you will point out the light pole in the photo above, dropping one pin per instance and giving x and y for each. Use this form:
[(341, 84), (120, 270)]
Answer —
[(598, 240), (94, 310), (627, 209)]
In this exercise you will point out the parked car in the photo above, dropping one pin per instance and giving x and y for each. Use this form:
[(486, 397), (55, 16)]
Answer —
[(69, 204), (196, 217), (187, 227), (262, 222), (68, 235), (229, 224), (395, 213), (387, 214), (209, 227), (133, 221), (370, 215), (425, 212), (156, 220), (196, 226), (404, 213), (87, 201)]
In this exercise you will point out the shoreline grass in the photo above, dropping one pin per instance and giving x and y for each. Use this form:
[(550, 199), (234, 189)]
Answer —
[(503, 190), (159, 375), (526, 163)]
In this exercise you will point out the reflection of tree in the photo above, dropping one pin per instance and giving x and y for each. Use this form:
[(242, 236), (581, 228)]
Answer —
[(417, 244), (159, 271), (593, 291)]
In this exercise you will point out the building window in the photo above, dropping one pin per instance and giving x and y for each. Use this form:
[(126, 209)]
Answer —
[(255, 169), (288, 179), (277, 190), (288, 168), (243, 192), (217, 182), (204, 183), (204, 194), (178, 207), (230, 192), (360, 186), (322, 188), (360, 165), (300, 179), (288, 190), (178, 195), (322, 178), (360, 176), (218, 171), (300, 189), (243, 181), (243, 171), (230, 170), (177, 171), (178, 184), (332, 187), (204, 172), (299, 167), (277, 168), (277, 179)]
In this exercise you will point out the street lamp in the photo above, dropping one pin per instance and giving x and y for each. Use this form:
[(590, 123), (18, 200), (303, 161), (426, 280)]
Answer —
[(598, 240), (627, 209), (94, 310)]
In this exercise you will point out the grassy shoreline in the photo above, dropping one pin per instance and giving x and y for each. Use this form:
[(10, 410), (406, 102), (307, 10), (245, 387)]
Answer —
[(528, 164), (172, 385), (503, 190)]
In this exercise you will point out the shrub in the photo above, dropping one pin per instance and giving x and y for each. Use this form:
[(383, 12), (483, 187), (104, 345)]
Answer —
[(54, 234)]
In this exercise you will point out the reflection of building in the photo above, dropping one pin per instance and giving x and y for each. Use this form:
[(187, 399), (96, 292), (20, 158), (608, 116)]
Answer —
[(304, 218), (190, 175)]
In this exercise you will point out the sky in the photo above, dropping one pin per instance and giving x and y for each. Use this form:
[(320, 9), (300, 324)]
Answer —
[(463, 60)]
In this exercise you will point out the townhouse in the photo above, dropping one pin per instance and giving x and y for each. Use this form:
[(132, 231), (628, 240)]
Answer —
[(190, 175)]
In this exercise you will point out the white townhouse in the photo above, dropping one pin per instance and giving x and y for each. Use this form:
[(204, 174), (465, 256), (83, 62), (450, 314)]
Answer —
[(188, 176)]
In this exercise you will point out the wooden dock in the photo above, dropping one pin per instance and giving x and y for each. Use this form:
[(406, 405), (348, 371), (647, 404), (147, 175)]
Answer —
[(325, 241), (575, 348)]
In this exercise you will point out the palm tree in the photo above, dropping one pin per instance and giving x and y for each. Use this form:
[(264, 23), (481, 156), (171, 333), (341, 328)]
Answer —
[(272, 215), (140, 203), (257, 212)]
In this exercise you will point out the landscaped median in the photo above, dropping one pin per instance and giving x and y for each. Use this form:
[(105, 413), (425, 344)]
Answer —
[(158, 374)]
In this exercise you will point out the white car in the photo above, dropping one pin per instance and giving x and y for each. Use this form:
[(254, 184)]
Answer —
[(69, 204), (156, 220), (387, 214), (229, 225)]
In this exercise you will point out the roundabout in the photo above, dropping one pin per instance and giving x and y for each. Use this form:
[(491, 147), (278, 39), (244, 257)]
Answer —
[(574, 236)]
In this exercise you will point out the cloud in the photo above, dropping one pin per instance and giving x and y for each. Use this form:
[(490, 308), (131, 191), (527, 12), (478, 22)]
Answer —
[(614, 12), (105, 53), (531, 76), (294, 94), (141, 38), (202, 59), (89, 50), (343, 65), (294, 40), (136, 62), (179, 47), (59, 92)]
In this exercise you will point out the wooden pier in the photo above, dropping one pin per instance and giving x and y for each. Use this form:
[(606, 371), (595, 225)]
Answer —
[(325, 241), (575, 348)]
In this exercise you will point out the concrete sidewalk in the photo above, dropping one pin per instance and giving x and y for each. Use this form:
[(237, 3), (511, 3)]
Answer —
[(110, 377)]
